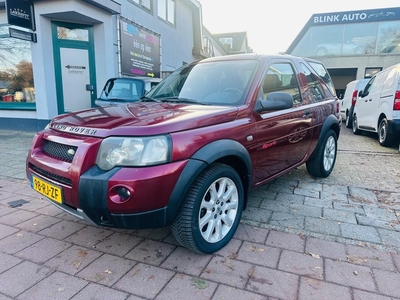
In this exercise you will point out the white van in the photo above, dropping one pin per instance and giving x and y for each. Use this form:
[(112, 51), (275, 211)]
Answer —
[(349, 100), (378, 106)]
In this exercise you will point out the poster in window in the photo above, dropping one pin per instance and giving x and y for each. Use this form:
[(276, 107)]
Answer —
[(20, 13), (140, 51)]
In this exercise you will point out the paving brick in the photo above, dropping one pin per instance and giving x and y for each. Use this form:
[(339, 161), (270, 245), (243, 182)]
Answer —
[(363, 295), (370, 257), (310, 186), (284, 240), (306, 192), (391, 238), (355, 208), (339, 215), (326, 249), (273, 283), (289, 198), (301, 264), (5, 210), (73, 259), (227, 271), (16, 217), (8, 261), (229, 292), (360, 233), (257, 214), (144, 280), (56, 286), (151, 252), (396, 259), (318, 202), (313, 289), (383, 214), (231, 249), (323, 226), (18, 241), (158, 234), (306, 210), (286, 220), (251, 233), (38, 223), (263, 192), (107, 269), (335, 189), (89, 236), (259, 254), (183, 286), (6, 230), (62, 229), (362, 196), (349, 275), (368, 221), (185, 261), (21, 277), (334, 197), (118, 243), (388, 283), (43, 250), (100, 292)]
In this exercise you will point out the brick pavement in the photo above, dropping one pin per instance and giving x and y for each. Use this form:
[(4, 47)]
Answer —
[(301, 238)]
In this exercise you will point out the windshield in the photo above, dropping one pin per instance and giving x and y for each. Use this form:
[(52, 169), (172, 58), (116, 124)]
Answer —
[(122, 89), (208, 83)]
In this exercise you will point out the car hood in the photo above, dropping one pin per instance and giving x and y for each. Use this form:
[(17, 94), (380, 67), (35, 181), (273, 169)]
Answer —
[(141, 119)]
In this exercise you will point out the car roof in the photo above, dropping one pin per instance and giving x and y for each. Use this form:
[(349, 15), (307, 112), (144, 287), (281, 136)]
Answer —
[(142, 78)]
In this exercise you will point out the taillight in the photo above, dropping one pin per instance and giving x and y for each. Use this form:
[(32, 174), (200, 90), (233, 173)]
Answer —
[(396, 103), (354, 98)]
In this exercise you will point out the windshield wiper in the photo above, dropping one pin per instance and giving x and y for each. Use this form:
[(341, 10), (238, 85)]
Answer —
[(148, 99), (183, 100)]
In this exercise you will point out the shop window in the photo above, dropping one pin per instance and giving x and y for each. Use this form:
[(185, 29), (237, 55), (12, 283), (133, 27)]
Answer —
[(389, 38), (166, 10), (16, 75), (369, 72), (144, 4)]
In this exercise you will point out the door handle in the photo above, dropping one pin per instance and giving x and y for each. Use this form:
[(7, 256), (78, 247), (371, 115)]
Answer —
[(306, 114)]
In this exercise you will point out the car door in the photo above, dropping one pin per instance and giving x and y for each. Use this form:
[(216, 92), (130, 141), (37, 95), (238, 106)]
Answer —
[(283, 136)]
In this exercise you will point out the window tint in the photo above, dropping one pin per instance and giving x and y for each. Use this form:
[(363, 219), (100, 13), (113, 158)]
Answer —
[(368, 87), (316, 89), (280, 77)]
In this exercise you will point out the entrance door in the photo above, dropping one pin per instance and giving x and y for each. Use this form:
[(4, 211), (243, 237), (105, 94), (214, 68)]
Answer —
[(74, 66)]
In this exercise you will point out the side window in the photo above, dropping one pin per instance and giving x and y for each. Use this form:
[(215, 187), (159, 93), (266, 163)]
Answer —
[(316, 89), (367, 88), (280, 77)]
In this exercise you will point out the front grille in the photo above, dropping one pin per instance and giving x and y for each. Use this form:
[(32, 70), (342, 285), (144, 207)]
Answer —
[(52, 176), (59, 151)]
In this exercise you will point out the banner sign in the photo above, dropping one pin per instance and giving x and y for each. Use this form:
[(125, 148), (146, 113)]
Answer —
[(20, 13), (23, 35), (371, 15), (140, 50)]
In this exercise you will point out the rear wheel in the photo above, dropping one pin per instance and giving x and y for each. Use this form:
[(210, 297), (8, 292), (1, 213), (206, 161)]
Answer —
[(385, 139), (355, 126), (211, 210), (324, 157)]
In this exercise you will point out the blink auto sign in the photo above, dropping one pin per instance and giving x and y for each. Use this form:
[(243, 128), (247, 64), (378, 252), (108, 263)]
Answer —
[(140, 50), (20, 13)]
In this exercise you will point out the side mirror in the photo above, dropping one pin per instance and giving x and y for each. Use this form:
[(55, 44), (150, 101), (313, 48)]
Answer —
[(276, 101), (360, 93)]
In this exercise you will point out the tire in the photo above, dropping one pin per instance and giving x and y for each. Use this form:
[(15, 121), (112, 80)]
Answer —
[(324, 157), (349, 121), (385, 138), (211, 210), (356, 131)]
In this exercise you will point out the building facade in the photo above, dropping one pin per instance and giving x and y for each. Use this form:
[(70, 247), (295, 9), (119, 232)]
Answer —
[(60, 61), (351, 44)]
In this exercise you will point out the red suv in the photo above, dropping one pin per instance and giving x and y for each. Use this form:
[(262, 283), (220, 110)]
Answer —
[(189, 153)]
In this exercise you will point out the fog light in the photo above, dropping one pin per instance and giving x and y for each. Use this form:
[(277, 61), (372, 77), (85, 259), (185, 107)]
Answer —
[(123, 193), (120, 194)]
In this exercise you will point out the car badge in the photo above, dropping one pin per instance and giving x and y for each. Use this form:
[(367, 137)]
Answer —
[(71, 152)]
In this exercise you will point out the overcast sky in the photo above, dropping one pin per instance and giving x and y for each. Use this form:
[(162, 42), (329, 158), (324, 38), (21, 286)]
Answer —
[(271, 28)]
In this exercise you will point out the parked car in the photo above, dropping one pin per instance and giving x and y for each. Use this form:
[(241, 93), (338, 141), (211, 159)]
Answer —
[(189, 152), (378, 106), (349, 100), (122, 90)]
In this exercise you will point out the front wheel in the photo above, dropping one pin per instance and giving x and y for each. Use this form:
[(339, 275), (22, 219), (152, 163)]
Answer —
[(385, 138), (355, 126), (323, 160), (211, 210)]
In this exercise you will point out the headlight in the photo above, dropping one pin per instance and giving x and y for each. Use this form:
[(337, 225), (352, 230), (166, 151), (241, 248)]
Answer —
[(132, 151)]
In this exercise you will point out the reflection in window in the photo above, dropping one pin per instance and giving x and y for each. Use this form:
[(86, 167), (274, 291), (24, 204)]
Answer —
[(369, 72), (16, 76), (146, 4), (389, 38), (166, 10), (350, 39), (75, 34)]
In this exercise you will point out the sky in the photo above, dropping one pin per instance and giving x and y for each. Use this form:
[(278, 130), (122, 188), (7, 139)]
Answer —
[(271, 27)]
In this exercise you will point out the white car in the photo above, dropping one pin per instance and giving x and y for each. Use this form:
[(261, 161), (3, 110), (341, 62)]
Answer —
[(378, 106), (349, 100)]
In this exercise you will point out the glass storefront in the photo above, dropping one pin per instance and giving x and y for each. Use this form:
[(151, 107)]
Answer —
[(350, 39), (16, 75)]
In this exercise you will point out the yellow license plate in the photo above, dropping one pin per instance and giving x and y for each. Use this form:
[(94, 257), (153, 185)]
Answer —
[(46, 189)]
